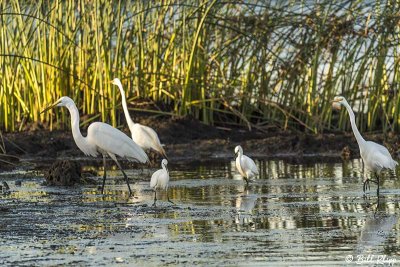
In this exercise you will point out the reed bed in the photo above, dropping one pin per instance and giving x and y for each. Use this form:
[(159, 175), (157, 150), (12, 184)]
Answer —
[(254, 63)]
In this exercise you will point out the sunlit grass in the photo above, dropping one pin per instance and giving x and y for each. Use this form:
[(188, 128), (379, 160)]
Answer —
[(254, 63)]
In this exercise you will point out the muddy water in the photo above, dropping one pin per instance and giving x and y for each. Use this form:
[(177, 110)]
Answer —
[(291, 215)]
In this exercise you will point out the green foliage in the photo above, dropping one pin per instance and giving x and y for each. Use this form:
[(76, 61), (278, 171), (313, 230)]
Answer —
[(253, 63)]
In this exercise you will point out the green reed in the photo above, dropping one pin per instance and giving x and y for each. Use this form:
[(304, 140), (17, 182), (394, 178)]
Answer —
[(256, 63)]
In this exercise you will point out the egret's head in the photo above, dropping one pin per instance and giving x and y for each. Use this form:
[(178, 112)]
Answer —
[(164, 164), (338, 101), (117, 82), (238, 149), (64, 101)]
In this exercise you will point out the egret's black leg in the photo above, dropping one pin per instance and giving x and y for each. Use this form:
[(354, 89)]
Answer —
[(168, 198), (366, 183), (105, 173), (155, 198), (377, 181), (246, 186), (126, 178)]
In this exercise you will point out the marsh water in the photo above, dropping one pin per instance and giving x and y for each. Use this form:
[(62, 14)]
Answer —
[(293, 214)]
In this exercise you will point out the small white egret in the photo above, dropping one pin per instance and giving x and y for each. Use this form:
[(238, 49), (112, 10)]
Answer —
[(160, 180), (375, 157), (245, 165), (143, 135), (102, 139)]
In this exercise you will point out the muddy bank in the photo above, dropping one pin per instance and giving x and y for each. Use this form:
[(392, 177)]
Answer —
[(190, 140)]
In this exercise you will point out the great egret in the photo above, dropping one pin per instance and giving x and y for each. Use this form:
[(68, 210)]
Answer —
[(375, 157), (102, 139), (160, 180), (143, 135), (245, 165)]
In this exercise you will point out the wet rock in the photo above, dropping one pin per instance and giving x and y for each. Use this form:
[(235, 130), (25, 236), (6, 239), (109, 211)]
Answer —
[(4, 188), (64, 173), (4, 209)]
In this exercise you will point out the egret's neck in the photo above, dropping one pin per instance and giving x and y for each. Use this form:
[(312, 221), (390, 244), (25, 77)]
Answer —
[(359, 138), (125, 107), (76, 132), (165, 168)]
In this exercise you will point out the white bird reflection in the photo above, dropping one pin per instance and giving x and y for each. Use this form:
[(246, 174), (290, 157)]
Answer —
[(245, 204), (375, 231)]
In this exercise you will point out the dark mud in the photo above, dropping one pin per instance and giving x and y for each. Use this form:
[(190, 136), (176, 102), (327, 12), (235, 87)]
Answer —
[(63, 172), (189, 140)]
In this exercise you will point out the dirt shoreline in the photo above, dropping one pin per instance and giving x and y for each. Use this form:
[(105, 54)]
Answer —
[(188, 140)]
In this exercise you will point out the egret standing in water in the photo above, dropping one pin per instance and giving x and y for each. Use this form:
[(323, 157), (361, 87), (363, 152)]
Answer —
[(245, 165), (375, 157), (144, 136), (160, 180), (102, 139)]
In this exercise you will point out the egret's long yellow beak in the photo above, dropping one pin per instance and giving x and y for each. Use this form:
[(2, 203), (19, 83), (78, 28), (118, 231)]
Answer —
[(336, 105), (50, 107)]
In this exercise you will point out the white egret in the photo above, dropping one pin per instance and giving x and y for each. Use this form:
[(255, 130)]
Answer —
[(143, 135), (160, 180), (245, 165), (375, 157), (102, 139)]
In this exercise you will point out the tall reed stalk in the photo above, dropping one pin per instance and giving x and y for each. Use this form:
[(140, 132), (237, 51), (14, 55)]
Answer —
[(253, 62)]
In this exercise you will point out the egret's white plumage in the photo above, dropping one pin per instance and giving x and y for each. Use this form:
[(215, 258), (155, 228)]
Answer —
[(143, 135), (245, 165), (102, 139), (160, 180), (375, 157)]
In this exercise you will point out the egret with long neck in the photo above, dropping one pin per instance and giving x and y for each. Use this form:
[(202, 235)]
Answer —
[(143, 135), (102, 139), (375, 157)]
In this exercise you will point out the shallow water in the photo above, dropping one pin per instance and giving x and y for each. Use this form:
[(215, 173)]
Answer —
[(293, 214)]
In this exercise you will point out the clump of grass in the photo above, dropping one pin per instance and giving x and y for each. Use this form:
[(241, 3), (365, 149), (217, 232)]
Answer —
[(251, 63)]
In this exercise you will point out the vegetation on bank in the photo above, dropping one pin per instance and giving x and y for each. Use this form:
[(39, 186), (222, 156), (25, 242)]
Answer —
[(254, 63)]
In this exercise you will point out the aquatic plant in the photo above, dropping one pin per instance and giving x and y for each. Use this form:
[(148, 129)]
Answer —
[(254, 63)]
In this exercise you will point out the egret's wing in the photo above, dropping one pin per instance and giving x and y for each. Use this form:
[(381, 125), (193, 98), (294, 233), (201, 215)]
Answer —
[(377, 147), (112, 140), (239, 167), (379, 156), (149, 138), (248, 164)]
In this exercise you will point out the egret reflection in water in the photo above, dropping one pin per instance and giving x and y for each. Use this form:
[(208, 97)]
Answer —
[(245, 204), (375, 231)]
